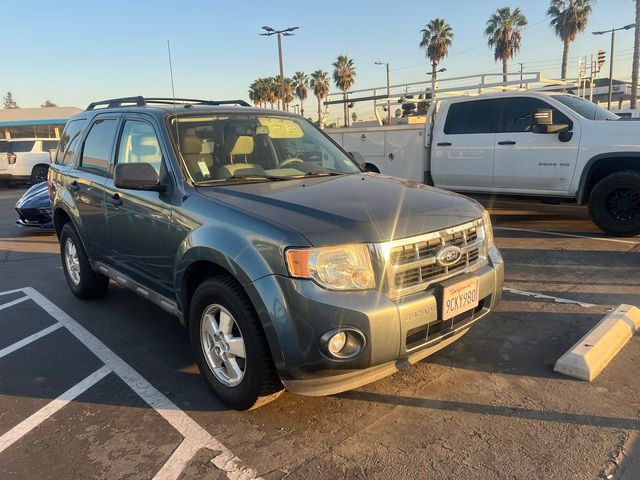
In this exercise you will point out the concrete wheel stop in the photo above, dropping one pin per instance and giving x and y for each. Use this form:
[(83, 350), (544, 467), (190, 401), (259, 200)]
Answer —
[(593, 352)]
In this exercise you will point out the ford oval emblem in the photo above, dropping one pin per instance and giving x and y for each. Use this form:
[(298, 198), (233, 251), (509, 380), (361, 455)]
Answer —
[(447, 256)]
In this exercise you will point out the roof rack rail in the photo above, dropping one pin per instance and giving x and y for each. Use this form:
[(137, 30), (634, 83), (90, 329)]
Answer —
[(141, 101), (118, 102), (171, 101)]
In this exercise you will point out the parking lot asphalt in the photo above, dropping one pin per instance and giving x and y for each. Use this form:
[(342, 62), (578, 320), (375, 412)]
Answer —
[(110, 389)]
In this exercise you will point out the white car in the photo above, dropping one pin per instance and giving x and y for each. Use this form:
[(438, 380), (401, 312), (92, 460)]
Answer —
[(26, 158)]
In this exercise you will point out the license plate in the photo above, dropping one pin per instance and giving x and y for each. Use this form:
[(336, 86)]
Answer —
[(460, 297)]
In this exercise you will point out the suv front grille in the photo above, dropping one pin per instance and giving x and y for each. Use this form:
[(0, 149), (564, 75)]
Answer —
[(411, 263)]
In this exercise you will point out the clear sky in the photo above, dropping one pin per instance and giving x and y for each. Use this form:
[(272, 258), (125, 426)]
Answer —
[(73, 52)]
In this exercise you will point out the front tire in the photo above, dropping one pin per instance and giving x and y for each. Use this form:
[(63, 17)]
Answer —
[(230, 347), (614, 204), (82, 280)]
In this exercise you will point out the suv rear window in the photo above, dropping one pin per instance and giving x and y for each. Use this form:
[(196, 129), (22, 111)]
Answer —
[(478, 116), (49, 145), (4, 147), (21, 146), (68, 151), (98, 145)]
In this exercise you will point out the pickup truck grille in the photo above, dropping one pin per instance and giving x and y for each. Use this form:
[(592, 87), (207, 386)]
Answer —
[(411, 264)]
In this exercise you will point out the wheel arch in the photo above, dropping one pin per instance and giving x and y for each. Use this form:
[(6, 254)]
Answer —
[(602, 165)]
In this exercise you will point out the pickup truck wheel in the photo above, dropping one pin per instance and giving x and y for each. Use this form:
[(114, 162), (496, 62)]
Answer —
[(83, 281), (39, 174), (230, 347), (614, 204)]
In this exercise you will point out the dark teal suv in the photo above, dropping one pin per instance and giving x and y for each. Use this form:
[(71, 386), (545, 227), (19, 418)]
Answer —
[(290, 266)]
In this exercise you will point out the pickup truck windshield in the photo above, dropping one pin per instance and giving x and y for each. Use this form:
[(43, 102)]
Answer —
[(254, 147), (585, 108)]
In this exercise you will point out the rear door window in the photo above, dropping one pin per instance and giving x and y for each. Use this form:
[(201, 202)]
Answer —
[(69, 142), (519, 111), (479, 116), (98, 146), (21, 146), (49, 145)]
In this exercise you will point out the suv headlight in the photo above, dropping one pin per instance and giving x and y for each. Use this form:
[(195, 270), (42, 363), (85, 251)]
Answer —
[(488, 228), (341, 267)]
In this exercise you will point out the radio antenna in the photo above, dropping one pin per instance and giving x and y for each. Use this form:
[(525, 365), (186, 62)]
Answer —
[(173, 94)]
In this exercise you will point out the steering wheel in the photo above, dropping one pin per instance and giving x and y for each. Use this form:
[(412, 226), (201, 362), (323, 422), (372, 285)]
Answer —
[(291, 160)]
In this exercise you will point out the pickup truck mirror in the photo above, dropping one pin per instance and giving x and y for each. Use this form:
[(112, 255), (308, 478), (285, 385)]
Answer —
[(543, 122), (137, 176), (359, 159)]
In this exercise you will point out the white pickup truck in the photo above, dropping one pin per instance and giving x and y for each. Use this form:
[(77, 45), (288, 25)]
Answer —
[(552, 145)]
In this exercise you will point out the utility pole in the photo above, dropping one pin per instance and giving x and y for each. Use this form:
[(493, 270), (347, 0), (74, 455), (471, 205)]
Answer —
[(287, 32), (378, 62), (613, 39), (521, 72)]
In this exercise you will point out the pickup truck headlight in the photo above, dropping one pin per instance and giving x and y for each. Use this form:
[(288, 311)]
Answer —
[(488, 228), (341, 267)]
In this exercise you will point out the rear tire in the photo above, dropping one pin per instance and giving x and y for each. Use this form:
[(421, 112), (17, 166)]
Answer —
[(82, 280), (218, 303), (39, 174), (614, 204)]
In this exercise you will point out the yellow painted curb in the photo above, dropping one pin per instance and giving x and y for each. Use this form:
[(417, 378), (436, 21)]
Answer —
[(593, 352)]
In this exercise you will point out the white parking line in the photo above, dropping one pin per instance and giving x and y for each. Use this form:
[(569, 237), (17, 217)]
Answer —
[(13, 302), (571, 235), (547, 297), (195, 437), (29, 339), (24, 427)]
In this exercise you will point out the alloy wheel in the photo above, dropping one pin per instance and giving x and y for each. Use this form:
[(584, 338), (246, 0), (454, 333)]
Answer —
[(72, 261), (623, 204), (223, 345)]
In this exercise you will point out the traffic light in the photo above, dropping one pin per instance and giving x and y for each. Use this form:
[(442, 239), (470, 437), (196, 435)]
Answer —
[(601, 58)]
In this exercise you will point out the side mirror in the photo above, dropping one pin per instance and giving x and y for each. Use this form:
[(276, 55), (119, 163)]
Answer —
[(137, 176), (359, 159), (543, 122)]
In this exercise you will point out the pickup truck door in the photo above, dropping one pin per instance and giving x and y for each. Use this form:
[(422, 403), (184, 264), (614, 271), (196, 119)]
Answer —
[(142, 242), (535, 162), (463, 145)]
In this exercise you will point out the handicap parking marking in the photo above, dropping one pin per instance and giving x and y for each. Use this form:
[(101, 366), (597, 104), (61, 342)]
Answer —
[(195, 436)]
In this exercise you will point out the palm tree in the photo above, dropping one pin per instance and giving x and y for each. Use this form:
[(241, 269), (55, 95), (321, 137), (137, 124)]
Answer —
[(437, 36), (288, 93), (301, 86), (344, 78), (504, 35), (320, 85), (273, 90), (568, 18), (636, 59)]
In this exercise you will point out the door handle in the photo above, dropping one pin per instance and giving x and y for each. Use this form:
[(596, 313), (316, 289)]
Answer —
[(74, 187), (116, 201), (507, 142), (444, 144)]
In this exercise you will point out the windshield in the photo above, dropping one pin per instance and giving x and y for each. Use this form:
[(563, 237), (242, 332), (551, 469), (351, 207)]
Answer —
[(254, 147), (585, 108)]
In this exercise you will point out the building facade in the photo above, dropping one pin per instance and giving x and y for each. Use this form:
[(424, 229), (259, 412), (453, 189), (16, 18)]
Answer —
[(35, 122)]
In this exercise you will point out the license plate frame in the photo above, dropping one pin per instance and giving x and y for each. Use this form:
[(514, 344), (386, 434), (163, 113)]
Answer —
[(459, 297)]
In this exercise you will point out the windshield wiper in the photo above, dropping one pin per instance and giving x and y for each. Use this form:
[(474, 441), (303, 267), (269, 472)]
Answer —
[(235, 178), (322, 174)]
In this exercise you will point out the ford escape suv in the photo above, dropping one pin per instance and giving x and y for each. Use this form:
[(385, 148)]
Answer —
[(290, 267)]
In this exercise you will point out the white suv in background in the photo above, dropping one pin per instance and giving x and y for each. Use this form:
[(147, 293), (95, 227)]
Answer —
[(26, 158)]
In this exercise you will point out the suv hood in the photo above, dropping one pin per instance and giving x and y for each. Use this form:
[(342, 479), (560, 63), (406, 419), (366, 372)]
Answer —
[(353, 208)]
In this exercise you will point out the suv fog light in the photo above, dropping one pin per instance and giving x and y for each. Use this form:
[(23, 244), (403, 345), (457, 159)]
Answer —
[(342, 343), (337, 343)]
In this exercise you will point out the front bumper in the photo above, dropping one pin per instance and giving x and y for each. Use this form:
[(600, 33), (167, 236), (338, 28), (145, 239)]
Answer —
[(398, 333), (34, 218)]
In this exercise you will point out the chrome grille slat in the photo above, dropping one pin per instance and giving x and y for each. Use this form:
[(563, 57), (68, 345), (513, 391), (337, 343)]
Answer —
[(411, 265)]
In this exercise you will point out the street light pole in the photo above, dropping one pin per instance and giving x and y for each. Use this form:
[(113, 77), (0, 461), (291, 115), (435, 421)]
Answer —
[(378, 62), (613, 37), (287, 32)]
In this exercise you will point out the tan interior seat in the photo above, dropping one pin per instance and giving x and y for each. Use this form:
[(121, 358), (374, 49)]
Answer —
[(238, 149)]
